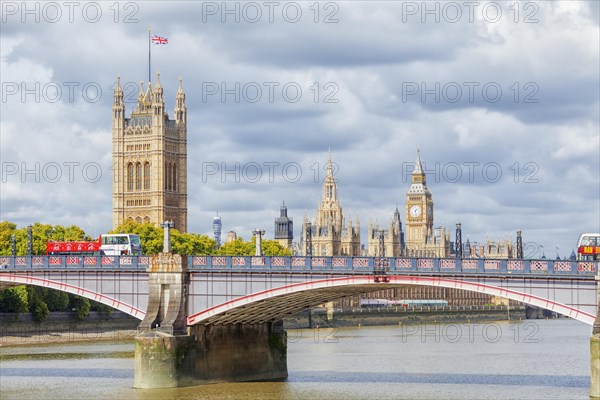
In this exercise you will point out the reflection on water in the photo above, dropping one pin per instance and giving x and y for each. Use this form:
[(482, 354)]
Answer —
[(548, 360)]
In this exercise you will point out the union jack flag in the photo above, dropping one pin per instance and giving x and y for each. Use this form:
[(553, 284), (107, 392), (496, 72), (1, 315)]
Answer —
[(159, 40)]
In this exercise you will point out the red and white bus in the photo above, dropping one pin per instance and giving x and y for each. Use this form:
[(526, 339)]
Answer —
[(111, 244), (588, 247)]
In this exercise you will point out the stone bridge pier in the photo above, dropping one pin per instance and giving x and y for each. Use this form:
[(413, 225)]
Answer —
[(170, 354)]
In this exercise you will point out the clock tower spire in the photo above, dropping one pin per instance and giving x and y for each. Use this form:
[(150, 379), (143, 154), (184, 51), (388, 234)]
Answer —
[(419, 209)]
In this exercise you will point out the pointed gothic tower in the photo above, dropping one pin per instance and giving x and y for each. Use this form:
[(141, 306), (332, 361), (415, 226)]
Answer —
[(150, 159)]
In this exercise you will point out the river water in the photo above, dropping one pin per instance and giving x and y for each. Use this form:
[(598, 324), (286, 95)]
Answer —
[(539, 359)]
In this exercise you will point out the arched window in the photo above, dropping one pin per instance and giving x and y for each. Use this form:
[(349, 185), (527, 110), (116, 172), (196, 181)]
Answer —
[(138, 176), (130, 176), (174, 176), (147, 175), (167, 176), (138, 220)]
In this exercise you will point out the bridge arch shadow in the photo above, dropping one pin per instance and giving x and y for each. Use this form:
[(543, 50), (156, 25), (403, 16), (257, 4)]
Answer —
[(8, 280), (274, 304)]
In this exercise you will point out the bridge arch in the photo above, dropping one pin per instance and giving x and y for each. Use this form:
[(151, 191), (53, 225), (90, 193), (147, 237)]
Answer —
[(13, 279), (276, 303)]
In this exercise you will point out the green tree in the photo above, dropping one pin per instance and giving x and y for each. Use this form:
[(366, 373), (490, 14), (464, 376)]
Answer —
[(15, 300), (57, 300), (151, 236), (80, 305), (274, 248), (41, 233), (7, 229), (37, 302), (182, 243), (192, 243), (102, 308), (39, 310), (237, 247)]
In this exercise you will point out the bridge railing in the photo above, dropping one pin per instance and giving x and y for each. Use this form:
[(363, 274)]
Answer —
[(389, 265), (345, 265), (73, 262)]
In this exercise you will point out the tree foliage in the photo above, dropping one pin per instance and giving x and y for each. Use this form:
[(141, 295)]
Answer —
[(14, 300), (41, 233), (80, 305), (240, 247), (181, 243)]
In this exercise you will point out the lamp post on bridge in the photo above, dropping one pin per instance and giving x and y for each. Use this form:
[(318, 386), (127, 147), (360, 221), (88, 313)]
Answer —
[(167, 225), (13, 245), (259, 234), (458, 241), (29, 240), (519, 245)]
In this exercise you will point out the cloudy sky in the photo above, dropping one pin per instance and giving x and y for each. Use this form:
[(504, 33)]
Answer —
[(502, 99)]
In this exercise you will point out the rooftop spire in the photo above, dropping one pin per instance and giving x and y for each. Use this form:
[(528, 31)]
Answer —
[(418, 167), (329, 163), (158, 85)]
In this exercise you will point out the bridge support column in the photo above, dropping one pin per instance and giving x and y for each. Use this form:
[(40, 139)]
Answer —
[(167, 294), (162, 341), (211, 354)]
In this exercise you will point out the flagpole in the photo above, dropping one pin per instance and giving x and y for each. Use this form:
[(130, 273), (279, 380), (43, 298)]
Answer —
[(149, 63)]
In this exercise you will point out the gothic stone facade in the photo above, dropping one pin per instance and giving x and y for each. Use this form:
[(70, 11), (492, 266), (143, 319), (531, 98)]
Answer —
[(150, 159), (387, 242), (328, 234)]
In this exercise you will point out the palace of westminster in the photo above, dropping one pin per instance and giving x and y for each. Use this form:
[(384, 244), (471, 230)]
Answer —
[(150, 185)]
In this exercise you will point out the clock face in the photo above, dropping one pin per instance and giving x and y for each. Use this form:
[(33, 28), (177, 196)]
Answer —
[(415, 211)]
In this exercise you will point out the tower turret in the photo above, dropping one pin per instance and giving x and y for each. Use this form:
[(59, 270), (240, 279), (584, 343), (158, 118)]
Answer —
[(284, 228), (118, 107), (180, 106)]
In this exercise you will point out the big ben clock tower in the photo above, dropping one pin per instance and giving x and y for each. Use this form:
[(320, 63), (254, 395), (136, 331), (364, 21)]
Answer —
[(419, 210)]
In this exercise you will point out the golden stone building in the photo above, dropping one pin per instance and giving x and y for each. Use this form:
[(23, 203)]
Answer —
[(387, 243), (421, 239), (328, 234), (150, 159)]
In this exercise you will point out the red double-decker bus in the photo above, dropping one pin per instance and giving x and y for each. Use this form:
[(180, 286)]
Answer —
[(79, 248), (588, 248), (110, 244)]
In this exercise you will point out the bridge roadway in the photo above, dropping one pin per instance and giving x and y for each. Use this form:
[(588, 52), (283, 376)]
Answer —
[(226, 290)]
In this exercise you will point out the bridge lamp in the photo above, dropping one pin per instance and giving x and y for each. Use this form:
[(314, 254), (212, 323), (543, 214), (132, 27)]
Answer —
[(259, 234), (29, 240), (458, 242)]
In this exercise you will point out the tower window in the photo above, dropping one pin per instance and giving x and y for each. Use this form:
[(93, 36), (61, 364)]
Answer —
[(138, 176), (174, 176), (146, 175), (130, 176)]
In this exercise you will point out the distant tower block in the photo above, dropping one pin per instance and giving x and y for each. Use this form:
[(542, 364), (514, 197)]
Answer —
[(217, 229), (284, 228), (149, 151)]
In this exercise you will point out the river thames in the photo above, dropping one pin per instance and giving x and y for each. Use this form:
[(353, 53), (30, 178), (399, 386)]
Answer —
[(534, 359)]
